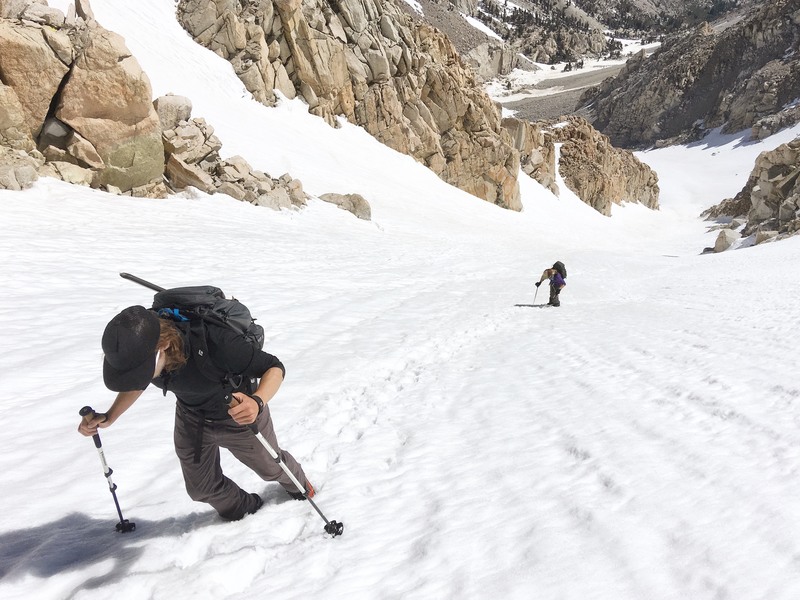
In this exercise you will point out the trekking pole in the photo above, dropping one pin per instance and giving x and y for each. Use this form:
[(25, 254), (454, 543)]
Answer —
[(333, 528), (124, 526), (140, 281), (535, 293)]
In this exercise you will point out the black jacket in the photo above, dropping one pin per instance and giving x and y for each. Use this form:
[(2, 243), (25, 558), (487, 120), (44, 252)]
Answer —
[(220, 361)]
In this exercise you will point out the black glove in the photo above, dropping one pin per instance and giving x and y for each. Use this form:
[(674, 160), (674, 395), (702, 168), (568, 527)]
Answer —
[(538, 283)]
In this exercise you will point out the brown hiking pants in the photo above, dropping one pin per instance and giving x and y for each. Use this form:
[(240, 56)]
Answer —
[(554, 292), (197, 444)]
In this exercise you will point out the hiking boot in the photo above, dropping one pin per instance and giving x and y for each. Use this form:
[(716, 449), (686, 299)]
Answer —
[(235, 516), (259, 503), (302, 496)]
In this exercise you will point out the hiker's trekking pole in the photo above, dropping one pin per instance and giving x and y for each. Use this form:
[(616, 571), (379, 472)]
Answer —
[(333, 528), (535, 293), (140, 281), (124, 526)]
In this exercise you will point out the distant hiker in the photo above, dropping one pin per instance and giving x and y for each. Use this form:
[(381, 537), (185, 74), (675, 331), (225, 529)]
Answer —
[(557, 275), (212, 412)]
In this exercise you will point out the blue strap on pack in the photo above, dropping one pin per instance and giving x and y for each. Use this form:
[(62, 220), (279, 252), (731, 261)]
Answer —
[(172, 313)]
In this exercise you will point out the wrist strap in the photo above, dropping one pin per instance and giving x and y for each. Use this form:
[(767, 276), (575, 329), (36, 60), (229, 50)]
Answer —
[(259, 401)]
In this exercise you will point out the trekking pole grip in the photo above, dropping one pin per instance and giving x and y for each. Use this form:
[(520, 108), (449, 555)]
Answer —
[(88, 410)]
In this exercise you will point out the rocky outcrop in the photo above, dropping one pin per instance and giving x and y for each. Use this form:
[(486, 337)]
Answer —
[(598, 173), (537, 152), (766, 126), (468, 7), (71, 89), (736, 207), (490, 59), (775, 195), (770, 201), (193, 160), (737, 78), (543, 46), (367, 61), (591, 167)]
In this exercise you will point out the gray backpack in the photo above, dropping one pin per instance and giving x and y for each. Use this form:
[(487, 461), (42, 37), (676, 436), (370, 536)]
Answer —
[(209, 303)]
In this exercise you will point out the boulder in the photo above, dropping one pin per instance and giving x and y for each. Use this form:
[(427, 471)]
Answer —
[(765, 236), (43, 14), (171, 110), (275, 199), (725, 240), (8, 178), (84, 152), (14, 131), (84, 10), (296, 194), (18, 169), (194, 141), (354, 203), (13, 9), (68, 172), (24, 51), (60, 43), (182, 175), (107, 100), (17, 174)]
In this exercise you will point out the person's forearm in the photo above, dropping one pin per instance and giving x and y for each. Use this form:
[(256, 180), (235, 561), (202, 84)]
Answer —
[(91, 421), (123, 402), (244, 409), (270, 383)]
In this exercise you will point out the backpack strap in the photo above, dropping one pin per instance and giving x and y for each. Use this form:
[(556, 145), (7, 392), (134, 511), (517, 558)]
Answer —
[(198, 343), (198, 330)]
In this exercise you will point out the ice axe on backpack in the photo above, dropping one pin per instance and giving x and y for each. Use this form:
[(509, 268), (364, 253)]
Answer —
[(124, 526), (140, 281)]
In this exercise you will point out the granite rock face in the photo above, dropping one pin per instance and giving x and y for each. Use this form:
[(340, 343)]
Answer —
[(746, 76), (367, 61), (598, 173)]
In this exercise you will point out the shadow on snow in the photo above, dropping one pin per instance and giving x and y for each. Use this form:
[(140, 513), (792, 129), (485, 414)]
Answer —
[(77, 541)]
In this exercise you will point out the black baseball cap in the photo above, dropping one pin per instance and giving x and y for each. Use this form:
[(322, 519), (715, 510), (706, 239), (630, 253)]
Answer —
[(129, 345)]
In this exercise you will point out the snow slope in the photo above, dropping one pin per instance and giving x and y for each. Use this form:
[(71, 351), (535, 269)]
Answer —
[(641, 441)]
